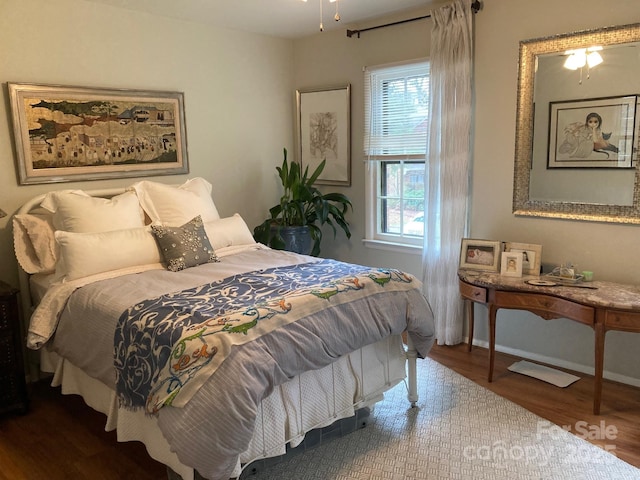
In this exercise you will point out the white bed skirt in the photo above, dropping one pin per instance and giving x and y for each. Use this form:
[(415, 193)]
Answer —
[(312, 400)]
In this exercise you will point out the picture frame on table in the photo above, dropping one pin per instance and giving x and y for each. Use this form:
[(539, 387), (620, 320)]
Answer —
[(323, 124), (476, 254), (511, 264), (592, 133), (68, 134), (531, 256)]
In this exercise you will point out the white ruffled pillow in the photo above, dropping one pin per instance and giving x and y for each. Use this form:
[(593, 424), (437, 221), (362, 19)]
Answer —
[(75, 211), (229, 231), (174, 206), (34, 242), (85, 254)]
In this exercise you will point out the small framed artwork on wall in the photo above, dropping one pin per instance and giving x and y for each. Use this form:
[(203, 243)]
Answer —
[(511, 264), (531, 256), (324, 132), (480, 254)]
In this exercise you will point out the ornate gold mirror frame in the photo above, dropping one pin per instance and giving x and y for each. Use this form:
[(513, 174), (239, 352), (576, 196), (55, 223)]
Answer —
[(522, 203)]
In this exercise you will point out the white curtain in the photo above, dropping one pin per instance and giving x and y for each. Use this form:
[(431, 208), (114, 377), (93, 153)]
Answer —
[(448, 164)]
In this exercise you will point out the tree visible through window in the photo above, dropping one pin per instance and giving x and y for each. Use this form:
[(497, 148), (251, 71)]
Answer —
[(395, 137)]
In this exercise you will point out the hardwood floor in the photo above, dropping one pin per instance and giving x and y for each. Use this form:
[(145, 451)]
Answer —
[(62, 439), (617, 427)]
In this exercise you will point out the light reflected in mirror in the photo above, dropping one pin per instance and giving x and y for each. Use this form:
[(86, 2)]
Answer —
[(577, 128)]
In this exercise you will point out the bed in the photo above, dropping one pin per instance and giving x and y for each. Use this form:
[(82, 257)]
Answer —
[(211, 349)]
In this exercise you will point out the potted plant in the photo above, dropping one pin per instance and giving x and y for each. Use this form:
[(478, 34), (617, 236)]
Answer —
[(295, 223)]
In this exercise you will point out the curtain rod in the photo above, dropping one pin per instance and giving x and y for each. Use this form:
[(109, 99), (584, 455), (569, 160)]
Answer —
[(476, 6)]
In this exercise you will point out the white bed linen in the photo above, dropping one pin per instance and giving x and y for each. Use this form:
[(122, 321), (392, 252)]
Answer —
[(39, 283), (44, 321)]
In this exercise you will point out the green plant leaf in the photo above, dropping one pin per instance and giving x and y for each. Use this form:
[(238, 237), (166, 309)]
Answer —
[(317, 172), (302, 203)]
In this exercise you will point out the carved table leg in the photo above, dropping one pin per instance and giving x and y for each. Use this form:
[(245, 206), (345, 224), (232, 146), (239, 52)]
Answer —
[(599, 363), (470, 307)]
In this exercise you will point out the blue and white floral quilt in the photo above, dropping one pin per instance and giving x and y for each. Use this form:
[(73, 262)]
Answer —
[(166, 347)]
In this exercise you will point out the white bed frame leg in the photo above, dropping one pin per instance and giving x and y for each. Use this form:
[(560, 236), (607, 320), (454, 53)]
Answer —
[(412, 356)]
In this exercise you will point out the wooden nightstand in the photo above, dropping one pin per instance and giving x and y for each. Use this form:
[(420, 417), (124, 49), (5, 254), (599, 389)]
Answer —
[(13, 388)]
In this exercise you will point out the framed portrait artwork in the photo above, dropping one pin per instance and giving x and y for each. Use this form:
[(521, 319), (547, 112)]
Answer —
[(531, 256), (324, 132), (594, 133), (511, 264), (65, 134), (480, 254)]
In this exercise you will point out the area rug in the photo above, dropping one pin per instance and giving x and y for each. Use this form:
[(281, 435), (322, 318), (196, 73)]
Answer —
[(459, 430)]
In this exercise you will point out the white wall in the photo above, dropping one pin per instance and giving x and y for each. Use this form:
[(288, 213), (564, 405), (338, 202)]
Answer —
[(237, 86), (607, 249), (331, 58)]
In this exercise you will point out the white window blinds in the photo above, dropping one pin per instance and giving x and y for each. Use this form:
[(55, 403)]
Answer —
[(396, 111)]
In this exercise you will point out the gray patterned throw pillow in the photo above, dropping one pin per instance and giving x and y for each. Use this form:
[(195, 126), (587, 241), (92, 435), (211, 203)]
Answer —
[(185, 246)]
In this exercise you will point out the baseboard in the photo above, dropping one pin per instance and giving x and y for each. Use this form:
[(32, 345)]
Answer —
[(557, 362)]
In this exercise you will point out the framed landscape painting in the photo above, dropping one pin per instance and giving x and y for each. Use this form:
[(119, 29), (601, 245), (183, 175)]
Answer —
[(65, 134)]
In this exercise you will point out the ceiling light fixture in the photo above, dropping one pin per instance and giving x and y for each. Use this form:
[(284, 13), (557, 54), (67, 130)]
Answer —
[(336, 17), (581, 57)]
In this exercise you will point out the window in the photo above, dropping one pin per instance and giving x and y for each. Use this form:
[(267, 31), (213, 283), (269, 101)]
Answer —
[(395, 143)]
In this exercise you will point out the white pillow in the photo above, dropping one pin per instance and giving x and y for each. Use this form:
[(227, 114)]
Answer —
[(34, 242), (229, 231), (175, 206), (75, 211), (49, 202), (84, 254)]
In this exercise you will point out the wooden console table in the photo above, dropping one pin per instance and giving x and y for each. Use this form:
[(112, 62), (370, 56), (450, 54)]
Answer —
[(608, 306)]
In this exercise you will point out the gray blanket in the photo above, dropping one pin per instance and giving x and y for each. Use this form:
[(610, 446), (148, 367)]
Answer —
[(211, 442)]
